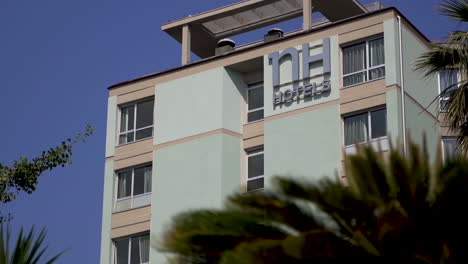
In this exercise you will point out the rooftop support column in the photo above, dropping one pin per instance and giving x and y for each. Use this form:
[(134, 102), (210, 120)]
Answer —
[(306, 14), (185, 44)]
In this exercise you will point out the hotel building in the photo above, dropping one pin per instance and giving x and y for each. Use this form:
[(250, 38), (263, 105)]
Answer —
[(290, 104)]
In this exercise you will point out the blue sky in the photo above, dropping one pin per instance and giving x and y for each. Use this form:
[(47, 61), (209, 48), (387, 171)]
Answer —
[(57, 58)]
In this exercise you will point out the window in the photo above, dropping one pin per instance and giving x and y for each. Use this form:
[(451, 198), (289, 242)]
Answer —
[(255, 175), (449, 147), (254, 102), (448, 81), (133, 188), (364, 126), (132, 250), (363, 62), (136, 122)]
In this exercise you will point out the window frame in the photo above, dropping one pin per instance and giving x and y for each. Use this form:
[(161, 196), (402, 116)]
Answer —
[(253, 86), (131, 197), (446, 98), (368, 68), (442, 141), (133, 104), (258, 150), (114, 248), (369, 125)]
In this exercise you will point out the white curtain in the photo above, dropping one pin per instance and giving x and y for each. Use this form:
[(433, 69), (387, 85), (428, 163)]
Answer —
[(122, 185), (354, 60), (356, 129), (377, 53), (377, 57), (448, 84), (448, 80), (147, 180), (144, 249)]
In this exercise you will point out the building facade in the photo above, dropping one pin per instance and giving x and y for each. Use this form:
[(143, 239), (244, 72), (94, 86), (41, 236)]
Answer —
[(291, 104)]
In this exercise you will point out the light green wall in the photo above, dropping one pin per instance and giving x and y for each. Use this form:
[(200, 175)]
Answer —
[(305, 145), (107, 204), (424, 90), (419, 124), (192, 175), (286, 75), (394, 119), (392, 57), (111, 125), (197, 104), (232, 93)]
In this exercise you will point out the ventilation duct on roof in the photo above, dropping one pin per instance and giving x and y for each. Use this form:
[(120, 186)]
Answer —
[(273, 34), (225, 45)]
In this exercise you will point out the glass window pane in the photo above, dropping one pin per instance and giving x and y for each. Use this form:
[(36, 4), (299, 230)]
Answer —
[(148, 178), (354, 79), (255, 166), (131, 117), (124, 184), (450, 147), (123, 139), (255, 98), (141, 200), (354, 58), (135, 251), (444, 103), (142, 180), (448, 80), (130, 137), (377, 53), (123, 119), (144, 248), (255, 115), (139, 181), (121, 254), (377, 73), (145, 114), (144, 133), (123, 204), (356, 129), (255, 184), (379, 123)]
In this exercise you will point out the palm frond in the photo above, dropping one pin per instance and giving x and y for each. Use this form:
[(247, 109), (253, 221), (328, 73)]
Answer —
[(28, 249), (390, 209), (450, 55), (456, 9), (274, 208)]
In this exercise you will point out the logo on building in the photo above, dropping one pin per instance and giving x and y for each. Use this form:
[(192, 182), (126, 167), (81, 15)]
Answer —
[(308, 89)]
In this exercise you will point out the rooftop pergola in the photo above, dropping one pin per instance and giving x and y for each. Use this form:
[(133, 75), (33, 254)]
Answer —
[(200, 33)]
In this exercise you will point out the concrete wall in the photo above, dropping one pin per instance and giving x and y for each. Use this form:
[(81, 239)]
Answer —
[(201, 163), (418, 124), (423, 90), (196, 104), (420, 113), (394, 123), (111, 131), (107, 205), (192, 175), (392, 58), (306, 145)]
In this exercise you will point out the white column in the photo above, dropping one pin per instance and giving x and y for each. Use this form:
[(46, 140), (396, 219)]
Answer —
[(185, 44), (306, 14)]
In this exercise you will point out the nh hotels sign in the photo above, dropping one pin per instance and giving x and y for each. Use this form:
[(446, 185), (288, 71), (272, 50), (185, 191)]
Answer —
[(309, 89)]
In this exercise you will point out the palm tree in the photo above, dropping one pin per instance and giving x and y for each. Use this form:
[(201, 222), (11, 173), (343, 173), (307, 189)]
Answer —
[(28, 248), (389, 209), (452, 55)]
